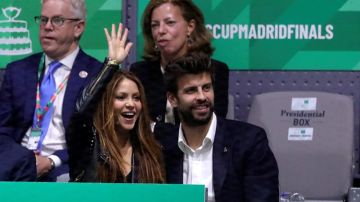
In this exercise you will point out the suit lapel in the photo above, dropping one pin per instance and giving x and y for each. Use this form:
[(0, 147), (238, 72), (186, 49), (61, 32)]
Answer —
[(30, 76), (174, 157), (221, 153), (74, 85), (175, 166)]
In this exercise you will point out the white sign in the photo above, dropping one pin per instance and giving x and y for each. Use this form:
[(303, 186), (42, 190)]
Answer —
[(304, 104), (300, 134), (14, 34)]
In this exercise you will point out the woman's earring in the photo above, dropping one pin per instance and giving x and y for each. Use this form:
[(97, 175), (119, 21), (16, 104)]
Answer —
[(189, 40), (156, 48)]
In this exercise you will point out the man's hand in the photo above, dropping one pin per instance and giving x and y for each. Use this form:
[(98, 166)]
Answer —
[(43, 164), (118, 46)]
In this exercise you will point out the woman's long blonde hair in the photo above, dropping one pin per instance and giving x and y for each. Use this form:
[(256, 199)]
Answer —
[(147, 151)]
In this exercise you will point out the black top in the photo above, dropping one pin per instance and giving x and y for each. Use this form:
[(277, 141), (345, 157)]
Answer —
[(83, 142)]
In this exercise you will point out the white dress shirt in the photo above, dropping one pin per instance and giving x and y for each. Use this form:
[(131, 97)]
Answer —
[(198, 163), (55, 136)]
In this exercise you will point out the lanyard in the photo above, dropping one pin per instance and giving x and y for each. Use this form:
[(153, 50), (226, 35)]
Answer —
[(41, 112)]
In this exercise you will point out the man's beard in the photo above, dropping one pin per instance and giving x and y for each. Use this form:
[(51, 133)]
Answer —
[(189, 119)]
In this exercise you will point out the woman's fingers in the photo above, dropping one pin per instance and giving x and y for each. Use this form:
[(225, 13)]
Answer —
[(128, 47), (113, 31), (108, 38), (118, 44), (124, 37), (120, 28)]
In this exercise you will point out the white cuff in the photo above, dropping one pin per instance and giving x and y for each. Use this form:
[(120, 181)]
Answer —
[(56, 160)]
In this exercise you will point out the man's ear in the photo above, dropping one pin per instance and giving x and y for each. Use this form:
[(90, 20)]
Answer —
[(172, 99), (79, 28)]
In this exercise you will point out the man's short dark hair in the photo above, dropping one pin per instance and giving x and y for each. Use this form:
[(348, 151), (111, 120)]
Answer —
[(194, 63)]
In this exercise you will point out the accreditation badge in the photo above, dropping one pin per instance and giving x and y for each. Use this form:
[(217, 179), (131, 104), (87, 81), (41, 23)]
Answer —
[(34, 138)]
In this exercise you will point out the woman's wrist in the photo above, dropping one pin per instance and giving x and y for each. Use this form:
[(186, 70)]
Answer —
[(111, 61)]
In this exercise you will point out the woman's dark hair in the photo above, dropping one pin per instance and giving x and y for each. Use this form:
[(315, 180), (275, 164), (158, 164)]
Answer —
[(200, 37)]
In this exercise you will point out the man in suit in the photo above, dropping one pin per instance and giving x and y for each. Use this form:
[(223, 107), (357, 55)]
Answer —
[(231, 158), (32, 126)]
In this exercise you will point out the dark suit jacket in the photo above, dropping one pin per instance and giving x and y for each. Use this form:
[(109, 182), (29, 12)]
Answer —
[(244, 167), (17, 100), (150, 74), (17, 162)]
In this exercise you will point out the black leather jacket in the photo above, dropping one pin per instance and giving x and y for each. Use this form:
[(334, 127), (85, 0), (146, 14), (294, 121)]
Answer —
[(83, 147)]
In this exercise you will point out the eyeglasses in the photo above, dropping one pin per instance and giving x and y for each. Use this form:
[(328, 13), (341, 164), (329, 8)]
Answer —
[(55, 21)]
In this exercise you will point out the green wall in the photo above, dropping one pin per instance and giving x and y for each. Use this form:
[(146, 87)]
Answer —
[(100, 14), (248, 34), (283, 34)]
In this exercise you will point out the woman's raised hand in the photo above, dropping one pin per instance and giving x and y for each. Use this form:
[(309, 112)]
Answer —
[(118, 46)]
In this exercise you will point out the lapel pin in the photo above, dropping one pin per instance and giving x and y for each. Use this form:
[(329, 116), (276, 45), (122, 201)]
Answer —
[(83, 74), (225, 149)]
